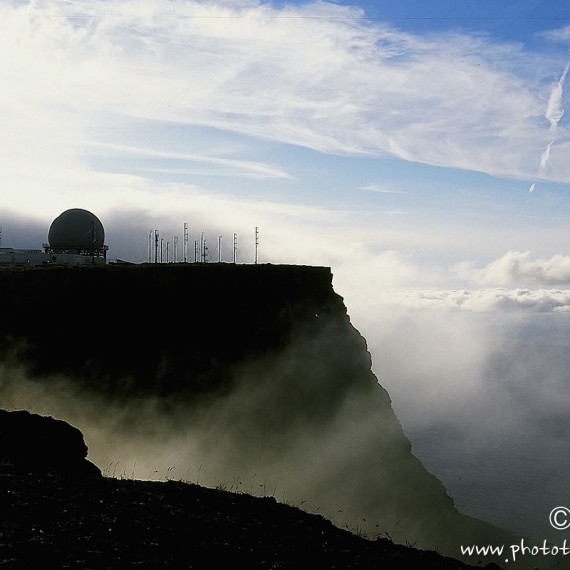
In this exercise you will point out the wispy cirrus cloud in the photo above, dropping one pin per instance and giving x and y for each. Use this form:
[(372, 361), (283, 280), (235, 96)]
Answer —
[(380, 189), (317, 76), (558, 35), (226, 165), (554, 109), (553, 114)]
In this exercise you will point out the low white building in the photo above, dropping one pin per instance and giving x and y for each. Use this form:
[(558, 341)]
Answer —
[(27, 257), (10, 256)]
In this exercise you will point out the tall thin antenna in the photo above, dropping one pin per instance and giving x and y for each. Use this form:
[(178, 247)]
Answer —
[(195, 251), (219, 249), (156, 246), (185, 245), (256, 243), (175, 249), (93, 242), (150, 245), (167, 250), (161, 241), (235, 247)]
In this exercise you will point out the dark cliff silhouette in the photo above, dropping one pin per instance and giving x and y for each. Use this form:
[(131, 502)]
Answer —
[(249, 370)]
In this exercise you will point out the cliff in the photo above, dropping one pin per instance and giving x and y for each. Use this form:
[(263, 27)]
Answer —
[(246, 376)]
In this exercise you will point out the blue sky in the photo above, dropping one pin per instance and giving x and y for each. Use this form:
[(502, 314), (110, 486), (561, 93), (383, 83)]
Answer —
[(412, 144)]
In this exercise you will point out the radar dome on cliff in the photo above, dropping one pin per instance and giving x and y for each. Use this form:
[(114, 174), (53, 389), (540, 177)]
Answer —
[(76, 229)]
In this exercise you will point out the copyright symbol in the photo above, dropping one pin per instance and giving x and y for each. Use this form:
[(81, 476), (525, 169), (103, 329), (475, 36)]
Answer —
[(560, 518)]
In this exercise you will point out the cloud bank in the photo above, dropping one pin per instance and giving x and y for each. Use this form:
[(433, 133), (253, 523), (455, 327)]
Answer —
[(517, 267), (513, 282), (482, 300)]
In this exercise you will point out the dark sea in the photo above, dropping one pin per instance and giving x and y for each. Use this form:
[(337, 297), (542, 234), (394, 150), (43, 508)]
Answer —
[(486, 406)]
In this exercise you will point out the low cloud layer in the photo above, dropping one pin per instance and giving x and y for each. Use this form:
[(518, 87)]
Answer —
[(518, 268), (513, 282), (482, 300)]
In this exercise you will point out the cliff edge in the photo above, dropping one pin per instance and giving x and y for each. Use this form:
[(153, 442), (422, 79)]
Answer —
[(246, 376)]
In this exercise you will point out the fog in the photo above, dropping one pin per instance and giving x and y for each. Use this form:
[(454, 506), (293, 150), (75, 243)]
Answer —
[(288, 428), (485, 401), (476, 377)]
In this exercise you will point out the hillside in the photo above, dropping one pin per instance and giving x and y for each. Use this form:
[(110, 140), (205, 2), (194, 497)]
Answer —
[(48, 522), (59, 511)]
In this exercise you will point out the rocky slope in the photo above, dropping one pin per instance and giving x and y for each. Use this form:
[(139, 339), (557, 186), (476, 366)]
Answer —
[(57, 511), (112, 524)]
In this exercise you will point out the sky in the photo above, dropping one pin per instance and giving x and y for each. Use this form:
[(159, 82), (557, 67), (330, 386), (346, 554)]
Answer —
[(418, 148), (418, 144), (425, 137)]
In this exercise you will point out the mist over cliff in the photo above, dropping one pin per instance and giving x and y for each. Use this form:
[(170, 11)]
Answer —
[(249, 377)]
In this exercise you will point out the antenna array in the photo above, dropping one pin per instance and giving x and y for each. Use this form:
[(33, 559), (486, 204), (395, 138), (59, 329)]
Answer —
[(200, 247)]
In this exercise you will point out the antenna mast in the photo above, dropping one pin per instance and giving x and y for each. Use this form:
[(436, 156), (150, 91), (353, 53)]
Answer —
[(235, 247), (185, 245), (256, 243), (156, 246), (219, 249), (175, 249)]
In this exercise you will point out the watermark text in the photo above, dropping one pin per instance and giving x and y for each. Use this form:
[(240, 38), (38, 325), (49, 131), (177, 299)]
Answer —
[(515, 551), (560, 518)]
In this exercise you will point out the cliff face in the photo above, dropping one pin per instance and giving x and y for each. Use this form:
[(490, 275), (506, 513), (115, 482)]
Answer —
[(250, 377)]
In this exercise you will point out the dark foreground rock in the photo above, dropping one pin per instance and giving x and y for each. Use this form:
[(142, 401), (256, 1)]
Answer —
[(50, 522), (31, 443)]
